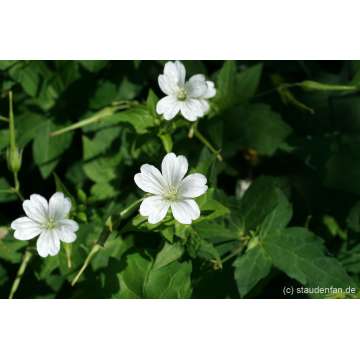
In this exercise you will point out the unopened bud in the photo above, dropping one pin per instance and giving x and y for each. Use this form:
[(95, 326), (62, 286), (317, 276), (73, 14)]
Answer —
[(14, 157)]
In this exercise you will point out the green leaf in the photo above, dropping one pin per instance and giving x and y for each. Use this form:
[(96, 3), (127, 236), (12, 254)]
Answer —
[(101, 142), (264, 206), (168, 254), (93, 66), (132, 279), (301, 255), (167, 142), (6, 194), (256, 127), (139, 117), (235, 88), (10, 249), (248, 82), (169, 282), (250, 268), (128, 90), (4, 139), (5, 64), (163, 278), (103, 190), (29, 75), (114, 247), (105, 94), (28, 126), (210, 207), (47, 150), (226, 87)]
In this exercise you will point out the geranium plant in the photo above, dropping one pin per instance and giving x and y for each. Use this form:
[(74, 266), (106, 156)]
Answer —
[(171, 179)]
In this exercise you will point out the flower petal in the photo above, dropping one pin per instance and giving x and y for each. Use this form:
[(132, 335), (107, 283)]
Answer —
[(193, 208), (205, 105), (176, 72), (168, 106), (25, 228), (185, 211), (48, 243), (211, 91), (167, 85), (36, 208), (174, 168), (150, 180), (70, 224), (59, 206), (193, 185), (196, 87), (155, 208), (66, 230), (191, 109)]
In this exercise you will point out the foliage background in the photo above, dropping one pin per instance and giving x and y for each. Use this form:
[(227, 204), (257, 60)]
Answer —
[(297, 225)]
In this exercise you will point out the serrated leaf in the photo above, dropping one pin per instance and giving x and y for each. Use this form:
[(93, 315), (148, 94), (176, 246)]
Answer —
[(258, 127), (168, 254), (250, 268), (301, 255), (140, 279), (264, 206), (247, 82), (234, 88), (169, 282)]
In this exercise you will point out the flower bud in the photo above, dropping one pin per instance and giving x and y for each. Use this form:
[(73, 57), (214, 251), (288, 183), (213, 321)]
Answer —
[(14, 157)]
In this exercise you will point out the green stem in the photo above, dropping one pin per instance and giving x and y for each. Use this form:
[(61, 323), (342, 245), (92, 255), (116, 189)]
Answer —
[(311, 86), (234, 253), (11, 123), (67, 248), (16, 188), (3, 118), (88, 259), (100, 115), (20, 273), (201, 137), (191, 130), (108, 228)]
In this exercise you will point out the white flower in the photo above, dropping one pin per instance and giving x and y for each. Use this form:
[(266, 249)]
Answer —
[(190, 98), (170, 189), (49, 220)]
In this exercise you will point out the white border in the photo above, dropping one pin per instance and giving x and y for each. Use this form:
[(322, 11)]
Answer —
[(183, 29), (179, 329)]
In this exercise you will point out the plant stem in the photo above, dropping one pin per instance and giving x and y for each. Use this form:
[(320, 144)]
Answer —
[(20, 273), (191, 130), (107, 111), (11, 122), (235, 252), (3, 118), (91, 254), (108, 228), (67, 248), (16, 187), (201, 137)]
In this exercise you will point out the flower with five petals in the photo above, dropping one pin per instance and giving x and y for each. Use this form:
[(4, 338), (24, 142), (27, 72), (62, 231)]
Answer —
[(189, 97), (48, 220), (170, 189)]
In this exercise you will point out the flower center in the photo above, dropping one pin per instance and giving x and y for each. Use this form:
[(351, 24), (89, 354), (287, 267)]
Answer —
[(51, 224), (181, 94), (171, 194)]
